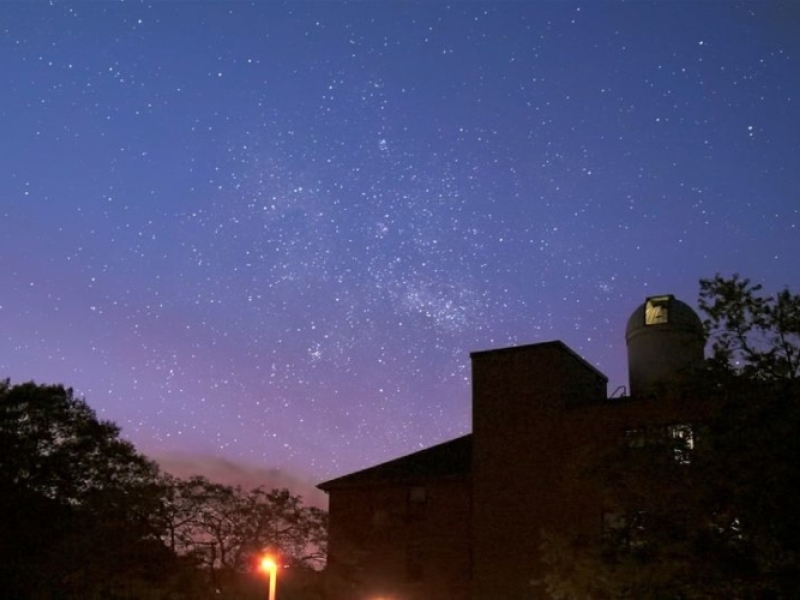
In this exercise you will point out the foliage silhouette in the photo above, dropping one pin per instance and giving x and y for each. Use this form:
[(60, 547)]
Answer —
[(723, 524)]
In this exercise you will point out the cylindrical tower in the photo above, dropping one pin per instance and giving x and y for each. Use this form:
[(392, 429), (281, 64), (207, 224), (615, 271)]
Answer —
[(665, 341)]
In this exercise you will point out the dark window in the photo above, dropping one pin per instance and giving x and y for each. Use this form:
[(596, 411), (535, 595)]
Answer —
[(625, 529), (416, 494), (380, 518), (613, 522), (635, 438), (417, 501), (415, 570)]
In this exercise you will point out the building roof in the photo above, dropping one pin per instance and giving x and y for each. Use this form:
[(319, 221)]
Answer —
[(450, 459), (551, 346)]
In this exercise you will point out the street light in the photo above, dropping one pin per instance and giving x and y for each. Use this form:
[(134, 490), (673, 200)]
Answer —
[(269, 565)]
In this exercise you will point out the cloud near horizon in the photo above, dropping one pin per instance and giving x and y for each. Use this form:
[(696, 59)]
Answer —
[(227, 472)]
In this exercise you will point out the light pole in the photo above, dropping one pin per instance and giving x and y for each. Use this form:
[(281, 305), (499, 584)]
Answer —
[(269, 565)]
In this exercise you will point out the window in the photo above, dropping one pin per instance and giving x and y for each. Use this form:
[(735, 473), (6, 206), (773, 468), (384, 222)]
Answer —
[(677, 439), (613, 522), (625, 529), (635, 531), (635, 438), (416, 494), (656, 310), (380, 517), (681, 439), (417, 500), (414, 562)]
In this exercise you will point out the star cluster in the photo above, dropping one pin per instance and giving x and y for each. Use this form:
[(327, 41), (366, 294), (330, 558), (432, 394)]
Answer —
[(271, 233)]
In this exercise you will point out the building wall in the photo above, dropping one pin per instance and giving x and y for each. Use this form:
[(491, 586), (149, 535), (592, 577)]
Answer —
[(482, 539), (521, 444), (387, 543), (532, 435), (540, 414)]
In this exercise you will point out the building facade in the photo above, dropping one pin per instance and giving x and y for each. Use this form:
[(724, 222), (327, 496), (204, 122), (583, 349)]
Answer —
[(465, 520)]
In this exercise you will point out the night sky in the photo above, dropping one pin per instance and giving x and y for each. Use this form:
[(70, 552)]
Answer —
[(266, 236)]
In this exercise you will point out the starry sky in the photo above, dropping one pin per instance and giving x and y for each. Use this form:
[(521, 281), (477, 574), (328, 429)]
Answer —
[(265, 236)]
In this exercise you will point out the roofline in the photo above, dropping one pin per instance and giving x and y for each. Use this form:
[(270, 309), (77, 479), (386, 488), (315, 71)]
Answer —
[(333, 484), (554, 343), (341, 480)]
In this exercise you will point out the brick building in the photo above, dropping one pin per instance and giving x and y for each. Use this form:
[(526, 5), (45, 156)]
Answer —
[(463, 520)]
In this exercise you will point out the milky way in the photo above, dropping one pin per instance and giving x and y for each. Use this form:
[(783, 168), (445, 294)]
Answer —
[(272, 233)]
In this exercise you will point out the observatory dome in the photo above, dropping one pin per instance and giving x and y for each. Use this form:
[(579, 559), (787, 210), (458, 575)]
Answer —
[(665, 312), (665, 340)]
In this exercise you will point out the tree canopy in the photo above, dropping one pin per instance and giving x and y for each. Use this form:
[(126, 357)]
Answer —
[(753, 335), (722, 522), (53, 444), (85, 513), (228, 528), (76, 498)]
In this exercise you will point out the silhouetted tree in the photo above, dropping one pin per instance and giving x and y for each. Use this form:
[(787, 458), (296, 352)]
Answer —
[(76, 499), (715, 516), (753, 336), (83, 513), (225, 529)]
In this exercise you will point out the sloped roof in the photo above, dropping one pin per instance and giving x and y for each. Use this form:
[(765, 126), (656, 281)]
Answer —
[(449, 459)]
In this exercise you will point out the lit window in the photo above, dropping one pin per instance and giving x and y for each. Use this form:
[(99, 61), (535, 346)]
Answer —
[(677, 439), (682, 441), (656, 310)]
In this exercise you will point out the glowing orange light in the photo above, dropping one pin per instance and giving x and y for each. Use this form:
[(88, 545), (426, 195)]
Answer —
[(268, 564)]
